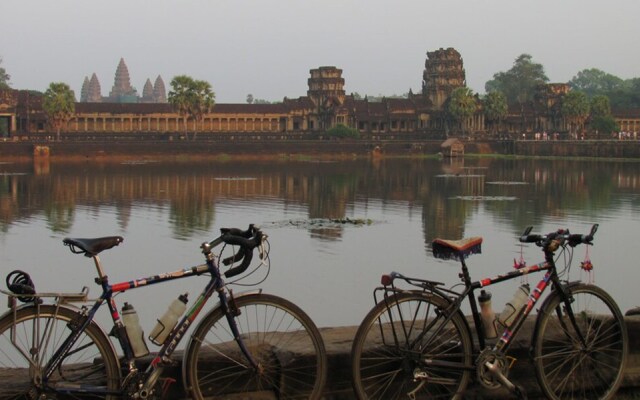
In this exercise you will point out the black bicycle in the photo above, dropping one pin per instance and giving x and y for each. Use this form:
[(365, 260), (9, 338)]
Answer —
[(251, 345), (416, 343)]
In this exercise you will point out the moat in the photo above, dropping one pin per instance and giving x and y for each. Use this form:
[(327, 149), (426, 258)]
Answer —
[(166, 209)]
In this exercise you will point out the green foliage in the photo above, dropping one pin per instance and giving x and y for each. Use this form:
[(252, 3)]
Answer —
[(519, 83), (595, 82), (621, 93), (605, 125), (495, 106), (343, 131), (461, 104), (59, 105), (575, 107), (4, 77), (380, 98), (191, 98), (600, 106)]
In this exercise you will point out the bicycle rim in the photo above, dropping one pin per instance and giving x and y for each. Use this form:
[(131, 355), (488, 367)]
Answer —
[(281, 337), (567, 369), (28, 341), (399, 344)]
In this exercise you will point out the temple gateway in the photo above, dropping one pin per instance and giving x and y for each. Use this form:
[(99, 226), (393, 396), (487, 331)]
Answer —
[(325, 105)]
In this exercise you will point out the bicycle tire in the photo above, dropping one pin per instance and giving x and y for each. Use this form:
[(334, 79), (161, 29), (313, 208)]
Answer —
[(564, 367), (278, 334), (91, 361), (385, 359)]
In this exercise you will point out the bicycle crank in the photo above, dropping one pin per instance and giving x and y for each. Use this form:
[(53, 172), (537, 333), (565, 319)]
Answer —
[(493, 369)]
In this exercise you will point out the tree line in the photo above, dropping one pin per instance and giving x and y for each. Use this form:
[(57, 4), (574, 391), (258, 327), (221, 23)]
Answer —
[(594, 93), (590, 97)]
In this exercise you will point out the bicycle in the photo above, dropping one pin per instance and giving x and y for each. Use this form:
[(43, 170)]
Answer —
[(416, 343), (253, 343)]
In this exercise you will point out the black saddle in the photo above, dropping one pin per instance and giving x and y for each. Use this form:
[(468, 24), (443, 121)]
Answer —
[(92, 246)]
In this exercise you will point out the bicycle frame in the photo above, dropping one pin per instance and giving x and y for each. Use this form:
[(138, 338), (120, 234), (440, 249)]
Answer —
[(155, 368), (457, 298)]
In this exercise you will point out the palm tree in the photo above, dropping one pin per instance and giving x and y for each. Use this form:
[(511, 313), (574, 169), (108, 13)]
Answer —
[(191, 98), (495, 108), (575, 108), (461, 105), (59, 105)]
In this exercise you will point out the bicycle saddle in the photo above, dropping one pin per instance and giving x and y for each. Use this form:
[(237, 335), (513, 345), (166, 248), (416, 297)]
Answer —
[(92, 246), (456, 249)]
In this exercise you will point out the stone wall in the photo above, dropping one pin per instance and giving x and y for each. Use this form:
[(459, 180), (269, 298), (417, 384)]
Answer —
[(268, 146), (339, 387)]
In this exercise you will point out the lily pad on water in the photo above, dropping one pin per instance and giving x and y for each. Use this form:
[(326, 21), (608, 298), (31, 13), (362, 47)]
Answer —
[(459, 176), (507, 183), (324, 222), (235, 178), (484, 198)]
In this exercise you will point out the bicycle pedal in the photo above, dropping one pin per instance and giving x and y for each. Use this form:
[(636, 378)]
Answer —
[(511, 361)]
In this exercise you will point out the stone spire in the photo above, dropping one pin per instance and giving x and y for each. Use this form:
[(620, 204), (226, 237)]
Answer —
[(84, 90), (443, 73), (147, 92), (159, 91), (94, 93), (122, 91)]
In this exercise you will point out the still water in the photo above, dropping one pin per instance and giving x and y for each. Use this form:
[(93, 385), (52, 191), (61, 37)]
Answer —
[(319, 257)]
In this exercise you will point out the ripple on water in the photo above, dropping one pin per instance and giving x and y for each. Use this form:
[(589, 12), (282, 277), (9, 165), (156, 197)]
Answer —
[(484, 198), (507, 183), (234, 178)]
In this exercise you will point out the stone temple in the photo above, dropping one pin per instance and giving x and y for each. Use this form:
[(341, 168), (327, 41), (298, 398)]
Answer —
[(122, 91)]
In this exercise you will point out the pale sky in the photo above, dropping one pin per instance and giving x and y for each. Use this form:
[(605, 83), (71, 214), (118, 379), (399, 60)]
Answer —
[(267, 47)]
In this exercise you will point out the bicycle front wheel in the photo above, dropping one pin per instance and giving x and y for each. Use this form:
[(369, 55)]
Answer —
[(279, 336), (407, 347), (582, 363), (28, 340)]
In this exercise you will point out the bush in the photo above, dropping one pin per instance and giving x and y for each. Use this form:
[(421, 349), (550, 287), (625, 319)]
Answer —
[(343, 131)]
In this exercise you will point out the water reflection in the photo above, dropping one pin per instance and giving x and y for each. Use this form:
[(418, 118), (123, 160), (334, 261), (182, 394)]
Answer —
[(309, 208)]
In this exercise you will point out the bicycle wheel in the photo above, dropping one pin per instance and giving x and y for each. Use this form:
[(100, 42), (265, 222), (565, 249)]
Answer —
[(280, 337), (29, 339), (566, 367), (405, 348)]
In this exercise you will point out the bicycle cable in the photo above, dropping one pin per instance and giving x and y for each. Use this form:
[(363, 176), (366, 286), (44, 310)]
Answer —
[(568, 259), (264, 250)]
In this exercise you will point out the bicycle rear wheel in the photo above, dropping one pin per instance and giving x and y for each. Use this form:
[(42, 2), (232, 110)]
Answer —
[(29, 339), (278, 334), (566, 367), (405, 348)]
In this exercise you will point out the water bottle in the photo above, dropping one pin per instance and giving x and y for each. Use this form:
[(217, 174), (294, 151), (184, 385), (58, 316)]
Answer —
[(513, 307), (168, 321), (487, 315), (134, 331)]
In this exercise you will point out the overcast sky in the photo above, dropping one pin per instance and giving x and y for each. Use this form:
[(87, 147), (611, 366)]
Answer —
[(267, 47)]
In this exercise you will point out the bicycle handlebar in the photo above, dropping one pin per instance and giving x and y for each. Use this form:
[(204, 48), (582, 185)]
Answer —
[(559, 237), (247, 240)]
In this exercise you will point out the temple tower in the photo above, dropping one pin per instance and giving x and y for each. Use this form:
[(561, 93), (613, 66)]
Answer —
[(84, 90), (159, 92), (122, 91), (443, 73), (147, 92), (94, 93), (326, 86)]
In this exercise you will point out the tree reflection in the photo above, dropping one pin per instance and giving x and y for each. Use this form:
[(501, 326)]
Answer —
[(518, 192)]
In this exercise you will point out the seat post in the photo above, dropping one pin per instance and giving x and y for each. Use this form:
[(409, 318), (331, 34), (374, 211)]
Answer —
[(101, 276), (466, 278)]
